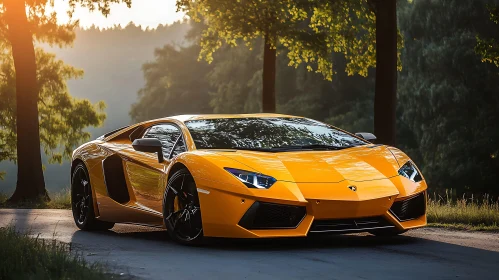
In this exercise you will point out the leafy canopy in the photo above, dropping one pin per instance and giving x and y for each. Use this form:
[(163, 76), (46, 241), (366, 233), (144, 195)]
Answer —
[(63, 119), (448, 121), (309, 30), (176, 83), (488, 48)]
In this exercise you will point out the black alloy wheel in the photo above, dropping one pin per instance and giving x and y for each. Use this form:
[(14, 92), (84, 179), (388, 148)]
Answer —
[(181, 209), (82, 201)]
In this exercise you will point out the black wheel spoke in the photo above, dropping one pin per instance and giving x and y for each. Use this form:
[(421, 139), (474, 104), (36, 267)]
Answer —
[(182, 184), (173, 190), (178, 219), (81, 195), (183, 214), (81, 176), (173, 215)]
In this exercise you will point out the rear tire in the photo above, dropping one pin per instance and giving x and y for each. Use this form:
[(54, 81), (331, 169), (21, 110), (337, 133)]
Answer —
[(387, 232), (181, 209), (82, 203)]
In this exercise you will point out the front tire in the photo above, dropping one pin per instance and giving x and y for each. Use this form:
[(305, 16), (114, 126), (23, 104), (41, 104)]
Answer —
[(181, 209), (82, 204)]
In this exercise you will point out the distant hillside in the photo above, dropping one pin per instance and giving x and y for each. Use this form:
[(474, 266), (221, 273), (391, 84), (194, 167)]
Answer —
[(112, 61)]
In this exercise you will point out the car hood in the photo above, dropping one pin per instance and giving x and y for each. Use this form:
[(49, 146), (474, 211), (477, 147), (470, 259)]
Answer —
[(363, 163)]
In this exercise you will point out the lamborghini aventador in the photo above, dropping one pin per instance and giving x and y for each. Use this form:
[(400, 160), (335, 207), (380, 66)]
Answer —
[(245, 176)]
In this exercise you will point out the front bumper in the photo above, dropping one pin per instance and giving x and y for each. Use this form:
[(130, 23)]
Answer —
[(317, 208)]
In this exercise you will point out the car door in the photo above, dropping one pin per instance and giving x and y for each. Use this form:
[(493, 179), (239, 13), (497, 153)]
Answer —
[(145, 174)]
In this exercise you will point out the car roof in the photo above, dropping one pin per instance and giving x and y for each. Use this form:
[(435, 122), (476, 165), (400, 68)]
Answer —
[(184, 118)]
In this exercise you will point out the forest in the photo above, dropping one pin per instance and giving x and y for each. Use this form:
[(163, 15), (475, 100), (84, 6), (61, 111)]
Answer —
[(447, 114), (448, 109)]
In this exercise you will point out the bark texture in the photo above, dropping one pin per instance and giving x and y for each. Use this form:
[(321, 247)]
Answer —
[(30, 180), (385, 100), (268, 78)]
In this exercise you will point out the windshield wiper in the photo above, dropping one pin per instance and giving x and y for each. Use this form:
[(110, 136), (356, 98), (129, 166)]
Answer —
[(293, 147), (310, 147), (251, 149)]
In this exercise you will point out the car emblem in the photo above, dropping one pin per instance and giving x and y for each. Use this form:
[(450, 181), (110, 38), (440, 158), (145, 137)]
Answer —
[(353, 188)]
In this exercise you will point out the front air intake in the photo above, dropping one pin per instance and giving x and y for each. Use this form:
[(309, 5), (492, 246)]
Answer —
[(263, 215), (409, 209), (349, 225)]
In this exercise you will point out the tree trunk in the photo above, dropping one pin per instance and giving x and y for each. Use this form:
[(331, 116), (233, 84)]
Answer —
[(385, 100), (30, 181), (268, 77)]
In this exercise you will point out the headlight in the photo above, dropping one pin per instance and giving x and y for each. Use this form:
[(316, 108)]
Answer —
[(409, 171), (251, 179)]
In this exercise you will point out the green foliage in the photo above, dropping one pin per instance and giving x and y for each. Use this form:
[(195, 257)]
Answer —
[(102, 6), (236, 80), (309, 31), (171, 87), (447, 113), (24, 257), (448, 121), (111, 74), (63, 119), (232, 84), (43, 24), (488, 48)]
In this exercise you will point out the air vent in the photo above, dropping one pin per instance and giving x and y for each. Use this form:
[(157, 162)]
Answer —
[(114, 178), (262, 215), (409, 209), (349, 225)]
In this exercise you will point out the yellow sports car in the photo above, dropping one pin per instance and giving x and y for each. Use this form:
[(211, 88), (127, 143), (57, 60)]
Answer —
[(245, 176)]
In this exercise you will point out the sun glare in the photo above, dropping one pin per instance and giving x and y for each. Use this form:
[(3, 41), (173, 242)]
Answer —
[(146, 13)]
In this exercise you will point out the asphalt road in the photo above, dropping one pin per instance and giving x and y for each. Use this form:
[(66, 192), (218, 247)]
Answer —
[(148, 253)]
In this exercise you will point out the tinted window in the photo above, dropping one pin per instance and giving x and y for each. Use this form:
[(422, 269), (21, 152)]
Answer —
[(168, 135), (266, 133)]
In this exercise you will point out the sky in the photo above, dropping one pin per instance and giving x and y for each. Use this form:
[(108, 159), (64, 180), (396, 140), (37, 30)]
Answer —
[(147, 13)]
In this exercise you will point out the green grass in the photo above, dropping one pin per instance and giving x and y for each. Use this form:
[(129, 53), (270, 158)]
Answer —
[(23, 257), (466, 213), (58, 200), (3, 198)]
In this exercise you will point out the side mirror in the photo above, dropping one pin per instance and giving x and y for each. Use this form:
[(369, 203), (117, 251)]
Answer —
[(366, 136), (149, 145)]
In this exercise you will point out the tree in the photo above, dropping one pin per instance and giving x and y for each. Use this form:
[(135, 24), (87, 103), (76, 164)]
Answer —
[(448, 98), (24, 21), (175, 83), (385, 97), (62, 118), (309, 31), (232, 84), (489, 48)]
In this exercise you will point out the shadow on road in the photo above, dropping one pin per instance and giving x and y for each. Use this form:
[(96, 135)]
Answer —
[(317, 241), (151, 254)]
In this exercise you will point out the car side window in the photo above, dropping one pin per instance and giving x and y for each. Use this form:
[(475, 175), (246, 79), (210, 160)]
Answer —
[(168, 135), (179, 148)]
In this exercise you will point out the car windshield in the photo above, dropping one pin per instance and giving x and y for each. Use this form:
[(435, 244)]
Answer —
[(268, 134)]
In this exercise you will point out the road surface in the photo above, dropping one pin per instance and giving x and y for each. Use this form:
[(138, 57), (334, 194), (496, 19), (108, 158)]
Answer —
[(148, 253)]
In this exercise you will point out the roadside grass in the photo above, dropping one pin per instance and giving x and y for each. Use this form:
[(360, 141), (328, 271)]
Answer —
[(466, 213), (24, 257), (58, 200)]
